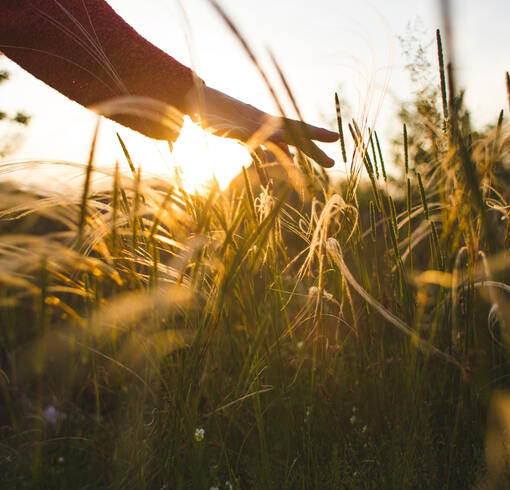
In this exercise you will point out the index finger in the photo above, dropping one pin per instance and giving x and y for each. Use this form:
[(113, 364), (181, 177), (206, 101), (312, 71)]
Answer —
[(301, 129)]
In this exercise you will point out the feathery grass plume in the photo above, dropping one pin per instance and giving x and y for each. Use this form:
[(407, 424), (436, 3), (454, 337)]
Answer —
[(340, 126), (86, 184), (146, 108), (336, 256), (335, 206), (442, 77), (381, 159)]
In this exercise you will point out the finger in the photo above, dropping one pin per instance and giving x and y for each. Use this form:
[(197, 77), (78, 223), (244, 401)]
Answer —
[(306, 145), (301, 129), (310, 149)]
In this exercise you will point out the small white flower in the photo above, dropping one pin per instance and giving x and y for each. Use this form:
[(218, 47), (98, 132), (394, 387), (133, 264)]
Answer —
[(228, 485), (355, 474), (52, 415), (164, 486), (314, 291), (199, 434), (364, 428), (352, 419), (299, 345)]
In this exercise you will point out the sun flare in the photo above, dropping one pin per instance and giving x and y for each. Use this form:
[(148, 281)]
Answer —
[(201, 157)]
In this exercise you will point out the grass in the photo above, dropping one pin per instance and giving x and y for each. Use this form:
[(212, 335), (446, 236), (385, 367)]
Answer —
[(329, 335)]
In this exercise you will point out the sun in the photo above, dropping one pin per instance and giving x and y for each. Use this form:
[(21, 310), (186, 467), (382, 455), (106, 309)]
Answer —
[(202, 157)]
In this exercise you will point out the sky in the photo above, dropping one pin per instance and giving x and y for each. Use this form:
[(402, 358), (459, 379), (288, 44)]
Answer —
[(322, 47)]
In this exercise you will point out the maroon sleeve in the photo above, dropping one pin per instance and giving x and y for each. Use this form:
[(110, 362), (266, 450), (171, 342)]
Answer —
[(83, 49)]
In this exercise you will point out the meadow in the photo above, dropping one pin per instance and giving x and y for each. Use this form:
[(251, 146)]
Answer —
[(301, 334)]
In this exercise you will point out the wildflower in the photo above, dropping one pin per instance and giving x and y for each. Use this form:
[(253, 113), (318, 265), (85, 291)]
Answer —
[(314, 291), (364, 428), (199, 434), (228, 485), (355, 474), (299, 345), (352, 419), (61, 459)]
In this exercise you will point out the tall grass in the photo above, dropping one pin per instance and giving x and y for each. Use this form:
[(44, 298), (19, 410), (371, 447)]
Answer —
[(340, 336)]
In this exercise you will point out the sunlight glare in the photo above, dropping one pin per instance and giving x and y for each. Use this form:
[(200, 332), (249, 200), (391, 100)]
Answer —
[(202, 156)]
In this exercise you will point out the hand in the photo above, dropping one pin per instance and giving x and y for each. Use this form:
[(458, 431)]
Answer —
[(231, 118)]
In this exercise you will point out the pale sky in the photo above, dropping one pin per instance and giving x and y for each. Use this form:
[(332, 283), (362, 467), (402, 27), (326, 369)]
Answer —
[(322, 46)]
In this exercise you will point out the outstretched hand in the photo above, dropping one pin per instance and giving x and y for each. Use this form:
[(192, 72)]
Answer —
[(228, 117)]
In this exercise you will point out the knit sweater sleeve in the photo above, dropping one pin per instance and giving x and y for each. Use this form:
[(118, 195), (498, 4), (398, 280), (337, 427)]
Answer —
[(83, 49)]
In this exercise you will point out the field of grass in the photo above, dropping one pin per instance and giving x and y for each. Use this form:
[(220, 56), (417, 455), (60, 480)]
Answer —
[(307, 335)]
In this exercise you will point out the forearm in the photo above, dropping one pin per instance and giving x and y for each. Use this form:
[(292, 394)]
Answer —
[(83, 49)]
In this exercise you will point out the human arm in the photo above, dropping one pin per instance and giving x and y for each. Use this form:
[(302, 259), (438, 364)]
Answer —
[(83, 49)]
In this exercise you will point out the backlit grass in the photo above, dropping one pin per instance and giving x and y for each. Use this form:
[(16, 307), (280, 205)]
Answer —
[(315, 335)]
